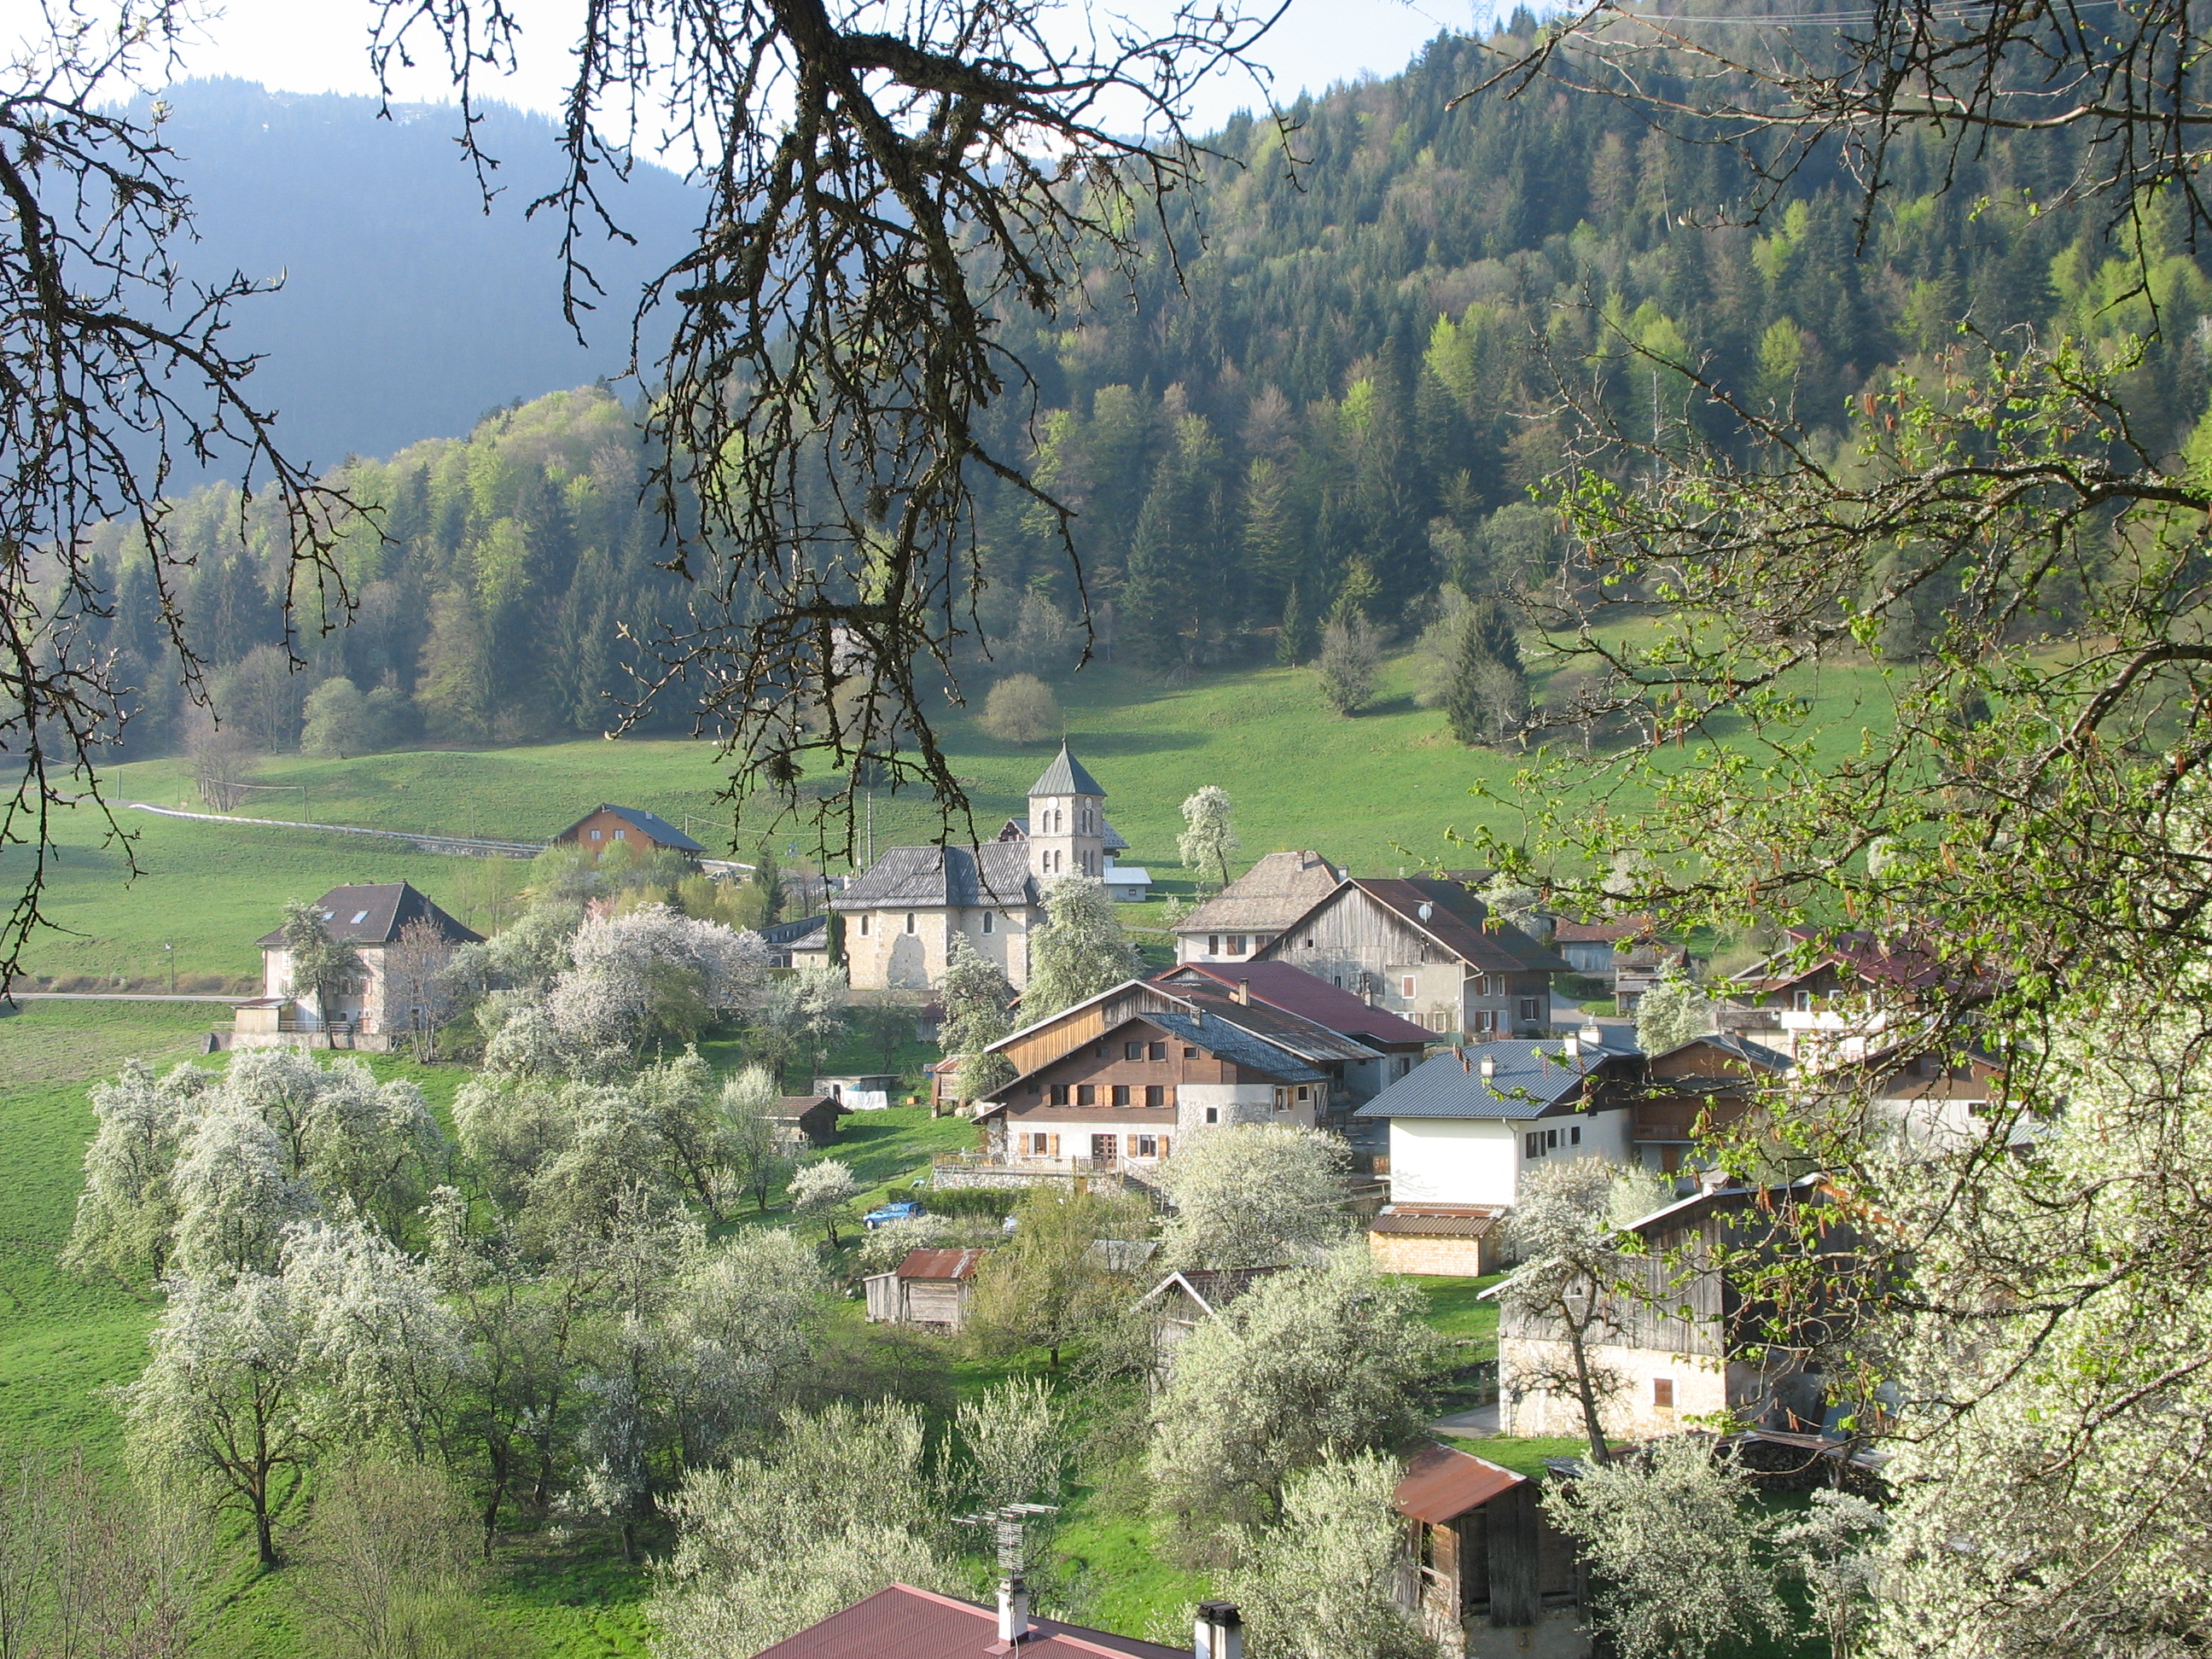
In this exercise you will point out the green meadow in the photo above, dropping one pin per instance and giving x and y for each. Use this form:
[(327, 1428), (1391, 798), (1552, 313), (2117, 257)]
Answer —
[(1383, 792)]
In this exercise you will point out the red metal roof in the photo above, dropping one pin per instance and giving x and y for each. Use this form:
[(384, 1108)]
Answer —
[(1441, 1484), (902, 1622), (1284, 985), (939, 1264)]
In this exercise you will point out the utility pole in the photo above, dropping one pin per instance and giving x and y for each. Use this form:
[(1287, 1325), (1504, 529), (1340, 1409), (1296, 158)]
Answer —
[(170, 952)]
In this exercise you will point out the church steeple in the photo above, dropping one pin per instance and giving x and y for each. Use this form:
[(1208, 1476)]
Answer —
[(1067, 821)]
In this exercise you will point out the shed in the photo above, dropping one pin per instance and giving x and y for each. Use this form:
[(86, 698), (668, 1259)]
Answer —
[(1448, 1239), (930, 1288), (1181, 1300), (814, 1116), (1489, 1570)]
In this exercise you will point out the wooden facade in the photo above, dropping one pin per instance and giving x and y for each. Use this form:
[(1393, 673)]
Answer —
[(1488, 1573)]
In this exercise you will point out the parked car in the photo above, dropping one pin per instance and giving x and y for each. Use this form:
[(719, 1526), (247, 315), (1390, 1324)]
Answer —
[(904, 1209)]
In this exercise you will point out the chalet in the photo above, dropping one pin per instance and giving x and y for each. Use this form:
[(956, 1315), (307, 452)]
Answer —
[(902, 1622), (1466, 1124), (1707, 1083), (810, 1118), (1398, 1043), (930, 1289), (1245, 917), (1491, 1575), (1682, 1340), (1428, 950), (1627, 957), (902, 914), (1837, 990), (603, 829), (1114, 1082), (368, 1012)]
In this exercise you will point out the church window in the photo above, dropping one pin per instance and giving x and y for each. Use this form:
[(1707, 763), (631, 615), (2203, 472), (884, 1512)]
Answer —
[(865, 929), (910, 921), (989, 919)]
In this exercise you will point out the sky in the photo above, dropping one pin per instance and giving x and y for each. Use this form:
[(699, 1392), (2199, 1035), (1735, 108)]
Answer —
[(317, 45)]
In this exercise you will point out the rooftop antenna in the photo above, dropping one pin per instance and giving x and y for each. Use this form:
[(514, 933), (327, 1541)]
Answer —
[(1009, 1521)]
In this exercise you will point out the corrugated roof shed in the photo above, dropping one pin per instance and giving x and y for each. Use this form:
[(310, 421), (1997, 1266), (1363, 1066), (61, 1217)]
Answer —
[(1442, 1483), (940, 1264), (902, 1622), (1439, 1222), (373, 914), (1529, 1080)]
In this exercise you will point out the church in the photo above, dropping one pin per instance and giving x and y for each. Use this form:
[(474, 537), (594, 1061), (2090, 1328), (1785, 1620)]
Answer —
[(903, 914)]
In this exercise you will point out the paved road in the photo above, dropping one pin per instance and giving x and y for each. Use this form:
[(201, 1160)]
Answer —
[(125, 996)]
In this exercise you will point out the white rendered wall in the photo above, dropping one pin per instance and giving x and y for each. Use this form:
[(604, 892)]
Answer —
[(1453, 1160)]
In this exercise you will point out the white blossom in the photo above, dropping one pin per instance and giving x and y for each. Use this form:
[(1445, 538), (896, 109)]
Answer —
[(233, 1196), (1252, 1195), (623, 965), (127, 1211), (1321, 1584)]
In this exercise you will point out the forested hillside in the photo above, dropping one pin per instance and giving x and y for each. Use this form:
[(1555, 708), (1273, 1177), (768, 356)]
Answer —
[(1341, 410)]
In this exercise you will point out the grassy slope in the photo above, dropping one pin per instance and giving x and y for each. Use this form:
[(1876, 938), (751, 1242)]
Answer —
[(1380, 792)]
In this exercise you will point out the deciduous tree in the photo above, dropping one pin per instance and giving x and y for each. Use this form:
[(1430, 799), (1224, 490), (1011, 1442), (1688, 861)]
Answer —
[(1252, 1195), (1081, 950), (1322, 1582), (1208, 837)]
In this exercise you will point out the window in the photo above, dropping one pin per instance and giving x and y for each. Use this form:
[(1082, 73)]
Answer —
[(359, 917), (1304, 1093), (1309, 945), (1485, 1019), (1155, 1095), (1406, 987), (1801, 1002), (1213, 1114), (595, 835), (1532, 1008), (1038, 1144), (1145, 1146), (865, 929), (1189, 1053), (621, 835), (910, 921), (1575, 1136), (990, 922), (1156, 1051), (1060, 1094), (1532, 1144), (1662, 1392), (1282, 1100), (1551, 1140), (1213, 944), (1480, 985), (1121, 1094), (1236, 944), (1085, 1095), (1132, 1051)]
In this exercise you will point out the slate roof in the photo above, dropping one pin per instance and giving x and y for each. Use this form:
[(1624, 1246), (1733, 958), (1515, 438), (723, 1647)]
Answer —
[(1530, 1080), (968, 878), (1286, 986), (373, 914), (1309, 1039), (1241, 1047), (1268, 898), (902, 1622), (1065, 776), (785, 933), (657, 829)]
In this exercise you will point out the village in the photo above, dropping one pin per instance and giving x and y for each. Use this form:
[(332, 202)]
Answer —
[(1406, 1041)]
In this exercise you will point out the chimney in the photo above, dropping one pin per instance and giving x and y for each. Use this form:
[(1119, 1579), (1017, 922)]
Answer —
[(1593, 1034), (1221, 1632), (1489, 1067), (1013, 1609), (1244, 992), (1574, 1047)]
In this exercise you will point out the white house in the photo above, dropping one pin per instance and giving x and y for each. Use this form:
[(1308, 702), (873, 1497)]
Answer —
[(366, 1011), (1467, 1123)]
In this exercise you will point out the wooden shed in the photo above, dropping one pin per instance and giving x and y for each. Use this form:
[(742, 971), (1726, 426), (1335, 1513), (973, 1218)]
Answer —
[(814, 1116), (1464, 1240), (930, 1288), (1489, 1576)]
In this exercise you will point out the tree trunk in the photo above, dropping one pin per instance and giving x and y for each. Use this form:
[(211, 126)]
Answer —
[(1593, 1424)]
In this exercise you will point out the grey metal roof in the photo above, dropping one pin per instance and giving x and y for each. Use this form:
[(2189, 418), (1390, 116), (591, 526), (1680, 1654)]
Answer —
[(1065, 776), (1529, 1080), (1241, 1047), (373, 914), (969, 878)]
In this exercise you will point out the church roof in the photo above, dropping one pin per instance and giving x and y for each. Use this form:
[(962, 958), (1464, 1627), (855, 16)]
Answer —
[(920, 878), (1065, 776)]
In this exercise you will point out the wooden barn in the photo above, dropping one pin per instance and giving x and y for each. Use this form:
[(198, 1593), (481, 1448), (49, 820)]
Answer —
[(1488, 1574), (930, 1289), (812, 1118)]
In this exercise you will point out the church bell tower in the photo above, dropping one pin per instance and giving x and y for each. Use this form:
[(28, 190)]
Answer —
[(1067, 821)]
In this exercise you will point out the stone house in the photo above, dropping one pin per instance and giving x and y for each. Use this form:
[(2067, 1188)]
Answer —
[(1428, 950), (1683, 1340), (902, 914), (365, 1012)]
